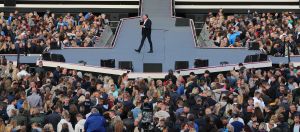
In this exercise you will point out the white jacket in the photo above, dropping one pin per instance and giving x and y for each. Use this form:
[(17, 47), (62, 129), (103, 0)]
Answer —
[(62, 121), (80, 126)]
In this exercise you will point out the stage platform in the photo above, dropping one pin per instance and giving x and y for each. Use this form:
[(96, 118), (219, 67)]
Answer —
[(171, 43)]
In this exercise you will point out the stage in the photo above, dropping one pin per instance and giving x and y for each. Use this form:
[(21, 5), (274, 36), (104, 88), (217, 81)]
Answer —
[(171, 42)]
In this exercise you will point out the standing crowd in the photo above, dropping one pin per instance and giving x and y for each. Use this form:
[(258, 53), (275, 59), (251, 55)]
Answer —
[(64, 100), (35, 32), (272, 33)]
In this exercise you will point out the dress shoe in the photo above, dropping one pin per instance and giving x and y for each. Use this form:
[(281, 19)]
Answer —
[(137, 51)]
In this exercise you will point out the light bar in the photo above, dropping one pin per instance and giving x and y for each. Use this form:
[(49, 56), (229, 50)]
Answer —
[(76, 6), (237, 7), (77, 0), (237, 1)]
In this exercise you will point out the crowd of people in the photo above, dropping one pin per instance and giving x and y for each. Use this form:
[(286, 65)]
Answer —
[(272, 33), (35, 32), (64, 100)]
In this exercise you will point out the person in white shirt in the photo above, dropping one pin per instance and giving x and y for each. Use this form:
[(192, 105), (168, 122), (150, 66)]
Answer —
[(11, 107), (258, 101), (79, 127), (22, 72), (162, 113), (270, 125), (65, 119)]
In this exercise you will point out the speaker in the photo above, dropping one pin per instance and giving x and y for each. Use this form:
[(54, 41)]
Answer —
[(182, 22), (201, 63), (263, 57), (254, 46), (9, 3), (57, 58), (247, 59), (181, 65), (254, 58), (108, 63), (126, 65), (46, 57), (152, 67)]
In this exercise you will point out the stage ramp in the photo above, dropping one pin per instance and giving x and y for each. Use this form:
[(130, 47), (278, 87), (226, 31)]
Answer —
[(157, 8)]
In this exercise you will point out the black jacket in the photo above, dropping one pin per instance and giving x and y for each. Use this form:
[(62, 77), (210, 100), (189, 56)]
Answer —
[(147, 29), (54, 119), (129, 124), (292, 127)]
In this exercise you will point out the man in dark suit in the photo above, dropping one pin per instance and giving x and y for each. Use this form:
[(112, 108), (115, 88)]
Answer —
[(146, 33)]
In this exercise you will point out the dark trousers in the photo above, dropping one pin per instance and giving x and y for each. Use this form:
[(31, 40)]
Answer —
[(144, 36)]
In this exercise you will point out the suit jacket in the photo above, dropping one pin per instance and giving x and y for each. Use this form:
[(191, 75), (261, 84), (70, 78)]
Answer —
[(147, 29), (292, 127)]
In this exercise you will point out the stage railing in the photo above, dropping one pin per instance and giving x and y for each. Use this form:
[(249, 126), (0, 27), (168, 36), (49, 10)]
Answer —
[(133, 75), (116, 33), (173, 8), (192, 24), (140, 7)]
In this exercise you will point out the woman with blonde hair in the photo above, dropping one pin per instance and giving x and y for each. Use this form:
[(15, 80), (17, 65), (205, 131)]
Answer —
[(48, 128), (47, 106), (9, 127), (221, 78), (270, 125), (14, 74), (2, 125), (152, 88), (26, 105), (119, 126)]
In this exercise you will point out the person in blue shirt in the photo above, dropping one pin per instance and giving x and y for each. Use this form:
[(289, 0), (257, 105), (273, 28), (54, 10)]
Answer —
[(237, 124), (59, 24), (95, 122), (191, 118), (10, 18), (180, 88), (232, 35)]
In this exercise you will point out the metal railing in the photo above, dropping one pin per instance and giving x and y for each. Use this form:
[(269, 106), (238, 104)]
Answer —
[(193, 31), (116, 33), (140, 7), (173, 8), (114, 25)]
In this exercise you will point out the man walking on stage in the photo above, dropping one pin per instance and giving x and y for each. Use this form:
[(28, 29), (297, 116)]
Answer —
[(146, 33)]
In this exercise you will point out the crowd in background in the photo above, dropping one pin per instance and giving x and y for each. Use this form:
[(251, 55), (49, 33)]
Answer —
[(39, 99), (272, 33), (34, 32)]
